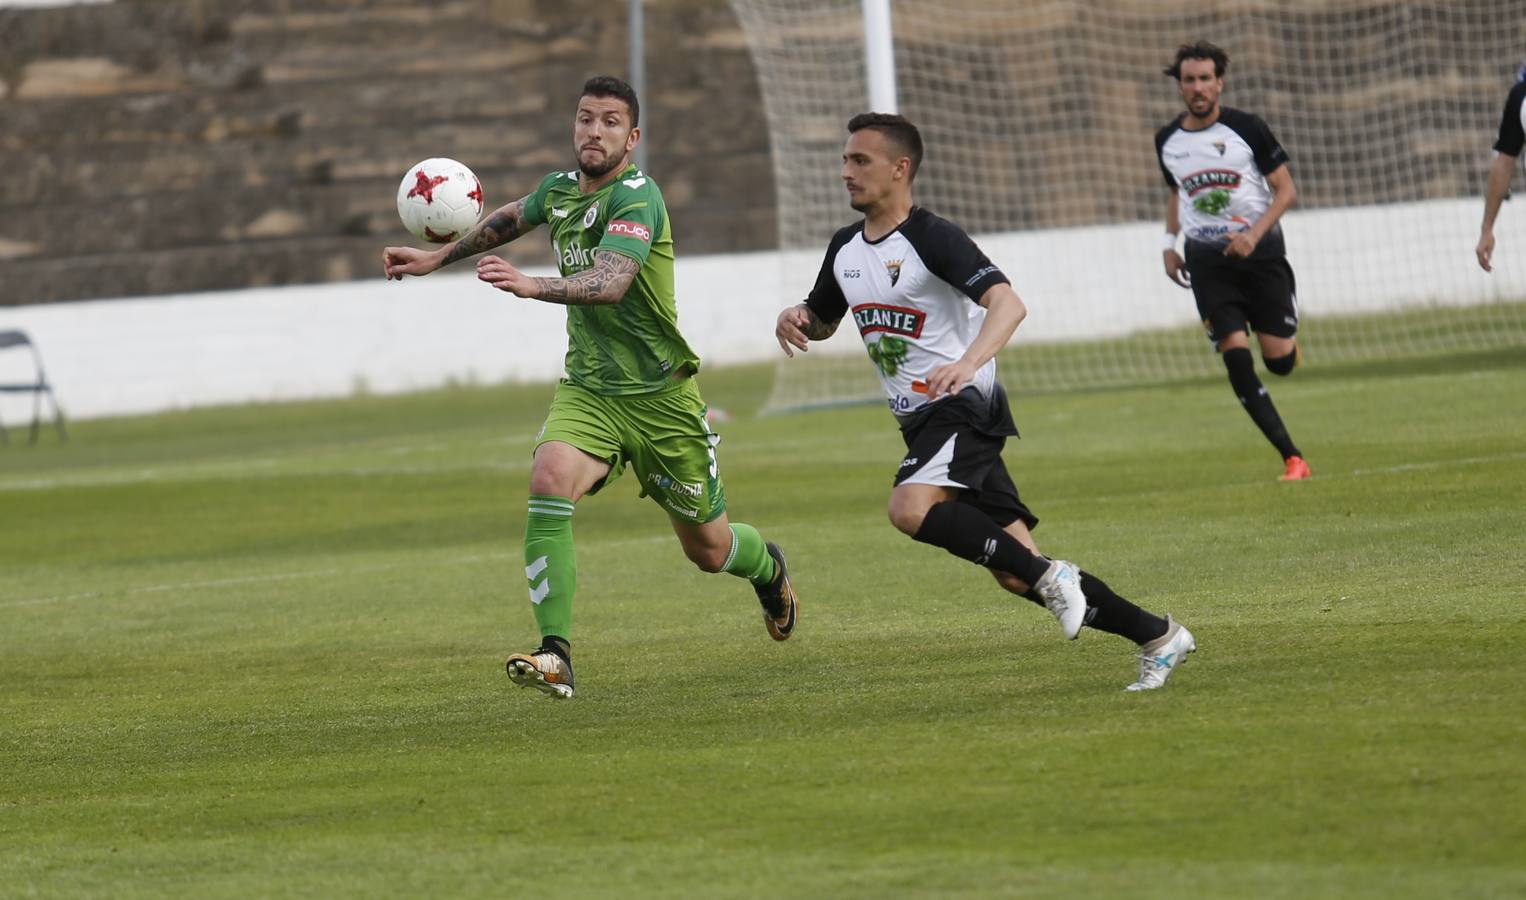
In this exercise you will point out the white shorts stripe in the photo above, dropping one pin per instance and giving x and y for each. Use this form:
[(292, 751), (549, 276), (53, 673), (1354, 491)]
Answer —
[(935, 470)]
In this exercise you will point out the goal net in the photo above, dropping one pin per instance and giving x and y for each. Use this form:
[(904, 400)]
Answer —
[(1039, 121)]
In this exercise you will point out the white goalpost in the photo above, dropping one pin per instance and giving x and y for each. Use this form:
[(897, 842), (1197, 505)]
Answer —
[(1039, 118)]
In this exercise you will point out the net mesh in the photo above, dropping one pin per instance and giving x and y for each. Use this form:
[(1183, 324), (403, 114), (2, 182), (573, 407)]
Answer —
[(1039, 118)]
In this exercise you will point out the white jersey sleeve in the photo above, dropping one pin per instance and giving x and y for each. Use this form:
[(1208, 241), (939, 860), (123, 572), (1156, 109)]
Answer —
[(914, 295)]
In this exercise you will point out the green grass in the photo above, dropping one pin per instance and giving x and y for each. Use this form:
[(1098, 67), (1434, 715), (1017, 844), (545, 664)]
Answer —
[(257, 652)]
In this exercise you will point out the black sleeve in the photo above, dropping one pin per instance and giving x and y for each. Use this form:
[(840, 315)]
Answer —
[(1270, 155), (1161, 137), (1511, 137), (826, 299), (950, 254)]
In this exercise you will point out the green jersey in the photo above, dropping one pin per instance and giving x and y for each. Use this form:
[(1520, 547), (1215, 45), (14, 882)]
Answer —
[(630, 347)]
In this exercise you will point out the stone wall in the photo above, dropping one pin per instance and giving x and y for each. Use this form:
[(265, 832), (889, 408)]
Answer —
[(166, 146)]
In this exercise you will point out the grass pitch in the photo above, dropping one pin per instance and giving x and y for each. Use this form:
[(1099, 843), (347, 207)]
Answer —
[(258, 652)]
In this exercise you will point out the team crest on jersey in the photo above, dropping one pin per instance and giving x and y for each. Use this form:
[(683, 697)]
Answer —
[(873, 317), (1219, 146), (894, 268), (592, 215), (1224, 179)]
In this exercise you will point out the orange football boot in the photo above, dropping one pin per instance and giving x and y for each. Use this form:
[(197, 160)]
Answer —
[(1296, 469)]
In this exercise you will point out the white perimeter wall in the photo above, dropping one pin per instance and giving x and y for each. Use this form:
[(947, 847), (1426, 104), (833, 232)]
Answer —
[(119, 357)]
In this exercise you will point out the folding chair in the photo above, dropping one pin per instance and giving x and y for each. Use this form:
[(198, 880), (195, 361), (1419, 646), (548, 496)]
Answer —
[(38, 387)]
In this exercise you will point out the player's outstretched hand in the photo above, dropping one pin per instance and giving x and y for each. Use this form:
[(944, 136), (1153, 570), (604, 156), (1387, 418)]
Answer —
[(1176, 269), (1485, 251), (949, 379), (505, 277), (790, 330), (400, 261)]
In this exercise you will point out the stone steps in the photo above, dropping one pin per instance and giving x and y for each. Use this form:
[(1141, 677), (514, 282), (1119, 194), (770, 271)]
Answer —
[(209, 144)]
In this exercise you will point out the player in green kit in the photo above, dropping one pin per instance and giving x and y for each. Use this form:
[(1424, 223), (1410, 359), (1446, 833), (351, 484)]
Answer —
[(629, 396)]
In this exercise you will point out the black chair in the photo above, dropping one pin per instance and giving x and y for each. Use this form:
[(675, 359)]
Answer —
[(37, 387)]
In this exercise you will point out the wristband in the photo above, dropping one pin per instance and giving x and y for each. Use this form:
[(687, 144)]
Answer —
[(1168, 242)]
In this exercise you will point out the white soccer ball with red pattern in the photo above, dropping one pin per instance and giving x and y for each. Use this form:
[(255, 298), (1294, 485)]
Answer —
[(439, 200)]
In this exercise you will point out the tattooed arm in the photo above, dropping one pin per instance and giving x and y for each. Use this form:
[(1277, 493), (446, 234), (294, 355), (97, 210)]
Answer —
[(504, 224), (798, 325), (815, 328), (606, 282)]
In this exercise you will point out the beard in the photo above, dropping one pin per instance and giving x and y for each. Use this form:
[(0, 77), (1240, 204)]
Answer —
[(600, 168)]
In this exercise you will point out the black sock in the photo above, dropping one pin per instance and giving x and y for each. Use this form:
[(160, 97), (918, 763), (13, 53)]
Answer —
[(558, 645), (970, 534), (1255, 399), (1106, 611)]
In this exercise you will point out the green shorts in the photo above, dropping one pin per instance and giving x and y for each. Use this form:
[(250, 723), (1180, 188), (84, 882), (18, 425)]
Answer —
[(664, 436)]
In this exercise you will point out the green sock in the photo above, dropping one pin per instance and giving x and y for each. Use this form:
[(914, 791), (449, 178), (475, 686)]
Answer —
[(749, 557), (551, 564)]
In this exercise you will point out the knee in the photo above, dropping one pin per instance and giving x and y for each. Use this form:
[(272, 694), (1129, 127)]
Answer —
[(906, 516), (1282, 365), (548, 484), (1232, 340), (707, 558), (551, 478)]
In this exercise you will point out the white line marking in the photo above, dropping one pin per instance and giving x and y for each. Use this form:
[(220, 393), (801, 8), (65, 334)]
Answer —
[(1440, 464), (238, 473), (171, 587), (1320, 475), (294, 464)]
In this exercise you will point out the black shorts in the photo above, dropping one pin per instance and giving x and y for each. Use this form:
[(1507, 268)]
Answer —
[(1232, 295), (957, 443)]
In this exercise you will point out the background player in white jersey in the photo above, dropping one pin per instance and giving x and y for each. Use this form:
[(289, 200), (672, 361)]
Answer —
[(933, 313), (1229, 188), (629, 396), (1507, 157)]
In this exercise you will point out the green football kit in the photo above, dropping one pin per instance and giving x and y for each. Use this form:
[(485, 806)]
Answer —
[(628, 396)]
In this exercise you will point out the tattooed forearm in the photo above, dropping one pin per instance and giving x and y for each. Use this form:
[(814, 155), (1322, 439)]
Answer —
[(606, 282), (504, 225), (815, 329)]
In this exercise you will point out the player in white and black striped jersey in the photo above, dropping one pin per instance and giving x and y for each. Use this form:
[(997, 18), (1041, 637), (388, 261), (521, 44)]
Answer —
[(1230, 186), (1507, 155), (933, 312)]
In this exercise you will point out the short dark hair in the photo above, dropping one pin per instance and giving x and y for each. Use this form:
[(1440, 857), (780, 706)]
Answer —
[(898, 130), (610, 86), (1199, 50)]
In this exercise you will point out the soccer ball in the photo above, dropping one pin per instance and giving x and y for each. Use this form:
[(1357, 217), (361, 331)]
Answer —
[(439, 200)]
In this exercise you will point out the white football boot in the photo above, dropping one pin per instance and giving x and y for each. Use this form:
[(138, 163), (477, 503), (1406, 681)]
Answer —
[(544, 671), (1159, 658), (1060, 588)]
